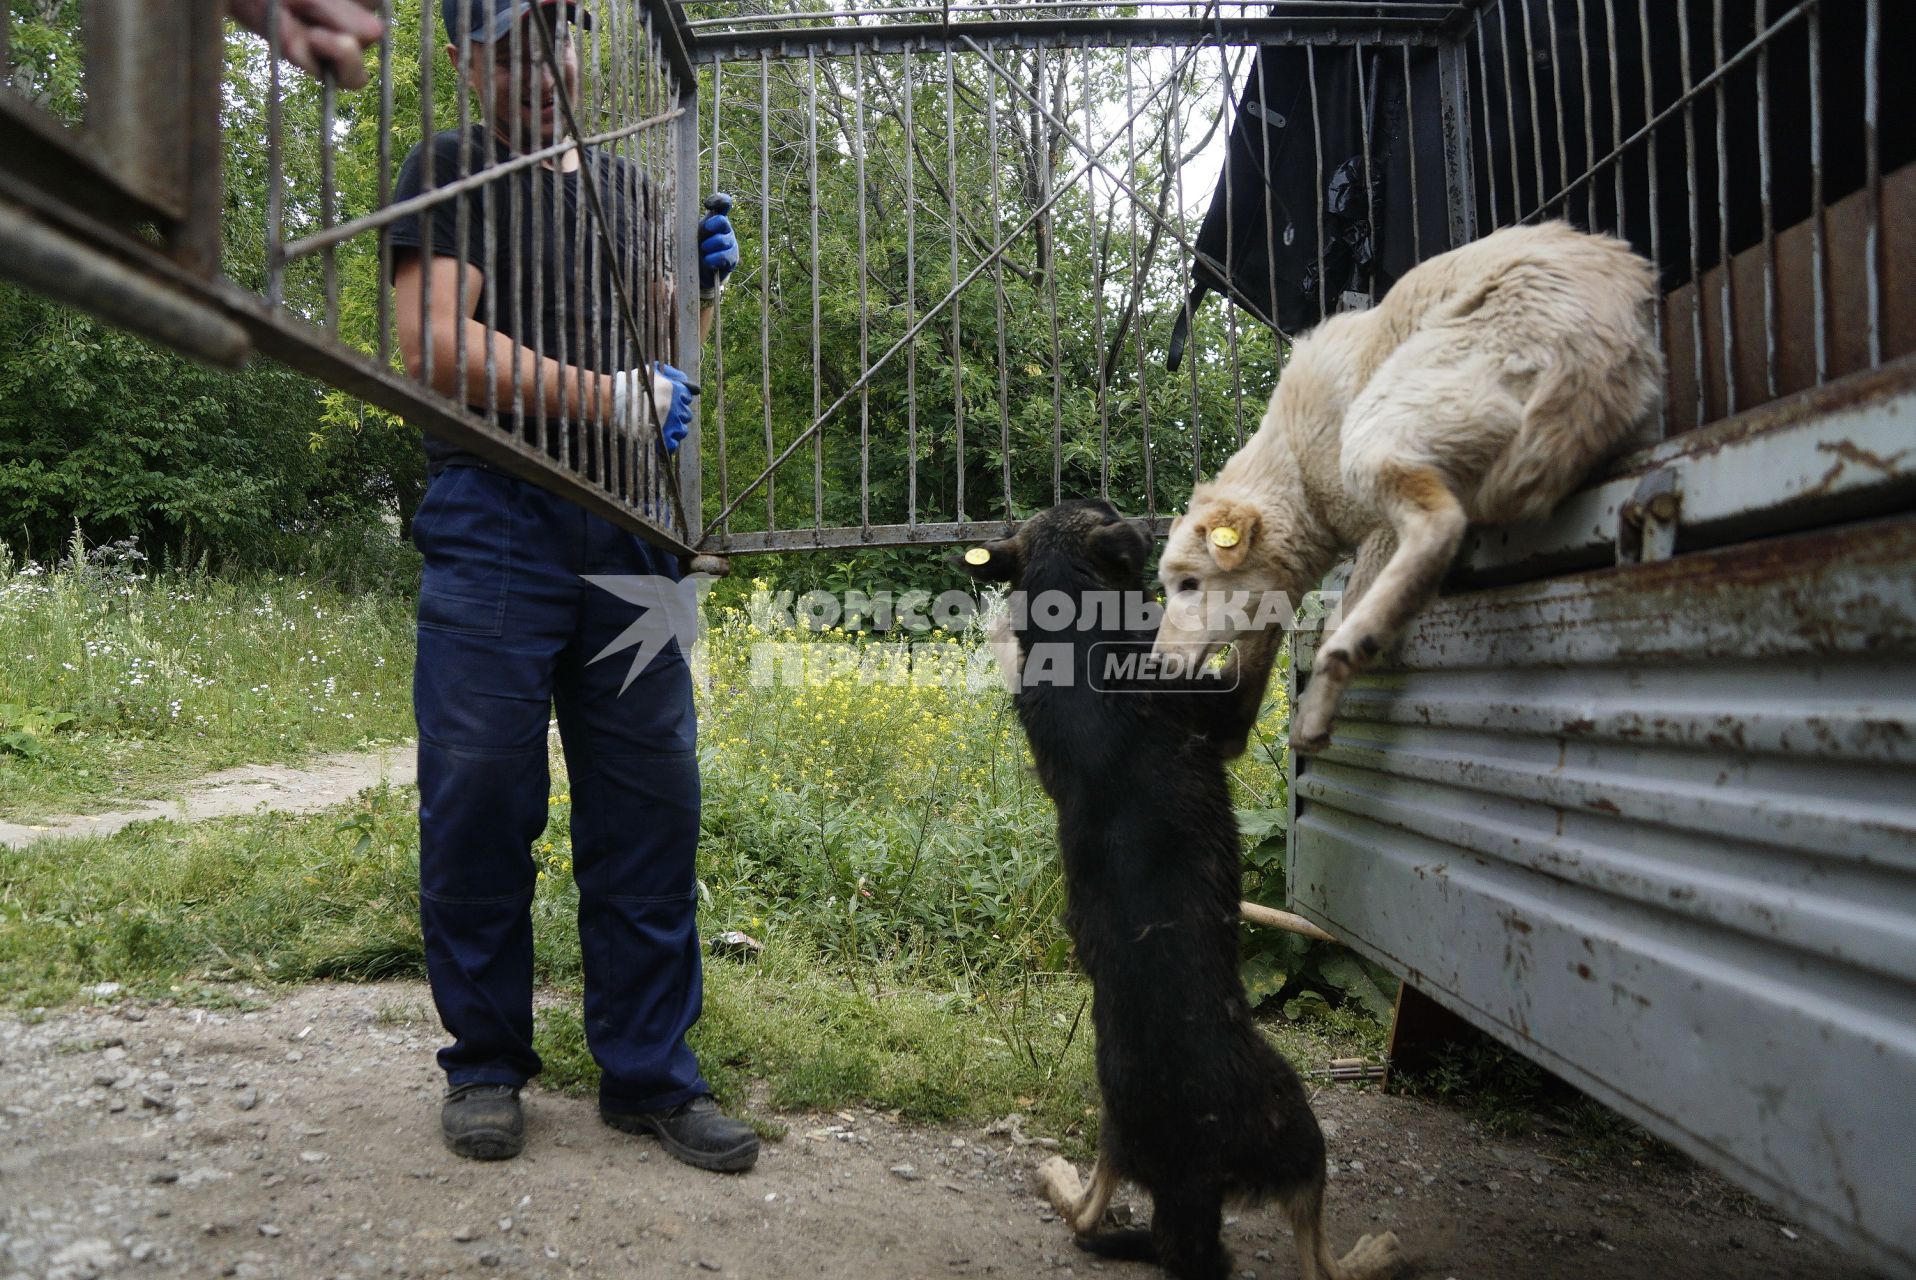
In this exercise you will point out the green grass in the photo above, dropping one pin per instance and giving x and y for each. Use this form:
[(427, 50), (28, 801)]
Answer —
[(191, 912), (116, 687), (885, 839)]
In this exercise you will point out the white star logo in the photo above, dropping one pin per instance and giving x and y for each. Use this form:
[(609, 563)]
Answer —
[(670, 611)]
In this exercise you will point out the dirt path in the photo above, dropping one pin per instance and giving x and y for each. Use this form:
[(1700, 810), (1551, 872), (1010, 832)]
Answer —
[(326, 782), (300, 1140)]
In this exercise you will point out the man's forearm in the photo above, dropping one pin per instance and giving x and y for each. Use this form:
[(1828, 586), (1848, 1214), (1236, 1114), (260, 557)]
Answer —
[(519, 378)]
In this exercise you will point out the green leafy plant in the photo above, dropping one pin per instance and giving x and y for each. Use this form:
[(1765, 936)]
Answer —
[(24, 730), (1304, 977)]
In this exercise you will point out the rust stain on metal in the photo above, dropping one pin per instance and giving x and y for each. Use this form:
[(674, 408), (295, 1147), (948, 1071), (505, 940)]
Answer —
[(1602, 805)]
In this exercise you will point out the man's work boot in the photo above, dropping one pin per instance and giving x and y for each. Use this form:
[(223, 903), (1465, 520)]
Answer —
[(696, 1132), (483, 1121)]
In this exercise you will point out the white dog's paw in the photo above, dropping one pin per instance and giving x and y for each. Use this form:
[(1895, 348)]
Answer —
[(1311, 721), (1375, 1258)]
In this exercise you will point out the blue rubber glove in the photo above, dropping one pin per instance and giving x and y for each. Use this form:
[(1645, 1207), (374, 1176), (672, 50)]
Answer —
[(718, 243), (678, 418)]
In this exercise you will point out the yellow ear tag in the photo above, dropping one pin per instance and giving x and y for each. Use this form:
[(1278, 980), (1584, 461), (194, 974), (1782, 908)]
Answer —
[(1224, 536), (978, 555)]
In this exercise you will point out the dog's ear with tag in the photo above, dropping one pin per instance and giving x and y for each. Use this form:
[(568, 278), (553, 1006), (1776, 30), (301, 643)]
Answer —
[(1000, 561), (1122, 545), (1229, 530)]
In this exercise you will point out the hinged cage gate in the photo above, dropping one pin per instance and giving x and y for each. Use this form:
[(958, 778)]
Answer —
[(977, 236)]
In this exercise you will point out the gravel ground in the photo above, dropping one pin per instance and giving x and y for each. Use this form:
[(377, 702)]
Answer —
[(300, 1140)]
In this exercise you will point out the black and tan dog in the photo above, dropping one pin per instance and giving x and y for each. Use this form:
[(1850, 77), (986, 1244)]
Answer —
[(1198, 1107)]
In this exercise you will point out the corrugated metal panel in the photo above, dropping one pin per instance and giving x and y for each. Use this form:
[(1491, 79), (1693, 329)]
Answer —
[(1656, 827), (1837, 451)]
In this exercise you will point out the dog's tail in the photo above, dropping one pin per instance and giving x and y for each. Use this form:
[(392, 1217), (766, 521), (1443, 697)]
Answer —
[(1126, 1244)]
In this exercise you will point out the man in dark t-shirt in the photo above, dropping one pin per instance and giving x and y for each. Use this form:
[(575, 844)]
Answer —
[(508, 626)]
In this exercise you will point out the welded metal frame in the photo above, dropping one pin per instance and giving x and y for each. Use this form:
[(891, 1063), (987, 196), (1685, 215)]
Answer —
[(76, 206), (982, 35)]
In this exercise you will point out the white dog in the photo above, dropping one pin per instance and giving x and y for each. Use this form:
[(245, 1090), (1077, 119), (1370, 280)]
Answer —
[(1483, 387)]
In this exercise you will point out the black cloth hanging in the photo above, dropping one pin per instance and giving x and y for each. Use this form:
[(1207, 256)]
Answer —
[(1530, 136)]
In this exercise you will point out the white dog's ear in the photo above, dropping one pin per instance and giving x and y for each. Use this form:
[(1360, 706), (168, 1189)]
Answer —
[(1229, 530)]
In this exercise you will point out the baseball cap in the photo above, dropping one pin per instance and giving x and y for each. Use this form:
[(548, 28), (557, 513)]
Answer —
[(490, 19)]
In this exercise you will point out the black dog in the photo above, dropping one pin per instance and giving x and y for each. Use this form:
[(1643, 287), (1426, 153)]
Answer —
[(1198, 1107)]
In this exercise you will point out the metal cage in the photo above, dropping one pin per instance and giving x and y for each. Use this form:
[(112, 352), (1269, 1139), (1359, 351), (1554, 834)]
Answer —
[(1635, 796)]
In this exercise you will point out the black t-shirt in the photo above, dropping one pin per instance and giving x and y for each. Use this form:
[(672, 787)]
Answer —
[(527, 233)]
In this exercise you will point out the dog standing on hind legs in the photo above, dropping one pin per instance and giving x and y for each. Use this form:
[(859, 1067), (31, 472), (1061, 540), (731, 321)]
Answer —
[(1198, 1108)]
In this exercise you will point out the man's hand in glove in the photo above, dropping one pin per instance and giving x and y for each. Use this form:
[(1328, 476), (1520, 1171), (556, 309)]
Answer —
[(718, 243), (672, 394)]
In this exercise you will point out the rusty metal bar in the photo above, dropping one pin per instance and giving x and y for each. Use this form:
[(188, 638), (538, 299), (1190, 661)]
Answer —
[(329, 261), (1097, 293), (718, 319), (1589, 109), (686, 467), (1764, 177), (1510, 113), (1556, 97), (535, 261), (956, 299), (910, 142), (1433, 12), (1690, 187), (1137, 318), (1048, 234), (1024, 33), (864, 304), (463, 212), (765, 273), (1490, 150), (1726, 296), (1656, 219), (1194, 354), (1616, 110), (1410, 130), (275, 167), (1873, 171), (596, 428), (1364, 85), (1819, 231), (42, 258), (818, 440), (383, 294), (391, 213), (1536, 119), (1317, 170), (998, 284), (1265, 121)]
